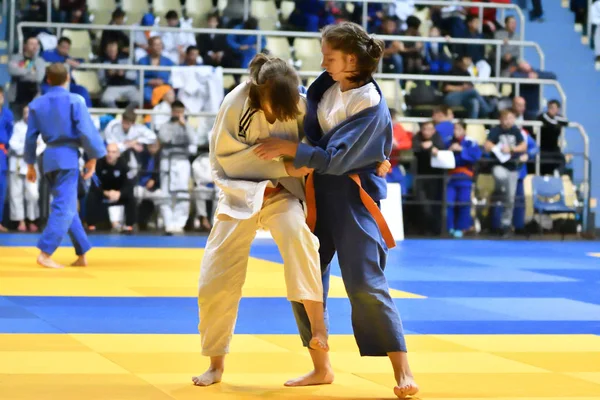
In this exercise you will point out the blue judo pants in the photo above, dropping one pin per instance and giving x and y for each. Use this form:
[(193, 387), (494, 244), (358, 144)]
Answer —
[(345, 226), (64, 217), (459, 216), (518, 213), (3, 187)]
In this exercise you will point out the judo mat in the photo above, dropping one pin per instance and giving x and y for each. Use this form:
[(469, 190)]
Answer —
[(484, 320)]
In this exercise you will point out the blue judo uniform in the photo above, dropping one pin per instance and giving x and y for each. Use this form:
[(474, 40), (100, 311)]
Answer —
[(461, 183), (6, 130), (65, 124), (519, 210), (343, 223)]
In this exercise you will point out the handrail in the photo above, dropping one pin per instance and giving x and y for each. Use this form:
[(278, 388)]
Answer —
[(491, 122), (286, 34), (397, 77)]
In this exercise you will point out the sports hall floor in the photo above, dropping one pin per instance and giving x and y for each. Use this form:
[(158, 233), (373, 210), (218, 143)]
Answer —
[(485, 320)]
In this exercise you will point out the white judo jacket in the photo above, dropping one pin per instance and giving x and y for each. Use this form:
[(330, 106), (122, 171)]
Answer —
[(240, 175)]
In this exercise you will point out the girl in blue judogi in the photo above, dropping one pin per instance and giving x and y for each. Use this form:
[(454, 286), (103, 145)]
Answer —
[(349, 131)]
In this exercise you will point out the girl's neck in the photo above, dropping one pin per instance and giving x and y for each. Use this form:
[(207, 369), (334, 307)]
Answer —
[(346, 85)]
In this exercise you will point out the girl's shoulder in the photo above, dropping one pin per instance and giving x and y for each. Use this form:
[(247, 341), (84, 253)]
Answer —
[(362, 98)]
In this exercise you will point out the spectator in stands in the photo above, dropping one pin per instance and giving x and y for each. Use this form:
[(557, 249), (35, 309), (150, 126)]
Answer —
[(141, 38), (392, 55), (175, 43), (73, 11), (551, 157), (442, 117), (506, 143), (178, 143), (244, 46), (61, 55), (458, 193), (490, 23), (192, 57), (464, 93), (531, 92), (437, 55), (212, 46), (518, 107), (27, 72), (21, 190), (119, 85), (536, 13), (474, 51), (510, 53), (450, 20), (428, 180), (233, 13), (204, 190), (412, 53), (402, 9), (163, 98), (120, 37), (153, 79), (36, 11), (112, 185), (401, 142), (6, 131), (148, 187), (127, 134), (375, 15)]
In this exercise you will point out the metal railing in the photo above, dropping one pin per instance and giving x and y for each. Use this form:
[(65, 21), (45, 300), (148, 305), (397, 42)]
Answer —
[(285, 34)]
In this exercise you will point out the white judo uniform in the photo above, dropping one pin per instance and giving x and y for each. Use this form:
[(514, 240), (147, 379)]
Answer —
[(242, 209), (23, 195)]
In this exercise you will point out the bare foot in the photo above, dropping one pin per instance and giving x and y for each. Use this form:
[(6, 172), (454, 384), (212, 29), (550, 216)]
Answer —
[(80, 262), (406, 387), (318, 342), (211, 376), (324, 377), (45, 261), (3, 229)]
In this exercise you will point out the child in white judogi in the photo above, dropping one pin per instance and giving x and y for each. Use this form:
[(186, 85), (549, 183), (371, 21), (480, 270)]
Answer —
[(23, 195)]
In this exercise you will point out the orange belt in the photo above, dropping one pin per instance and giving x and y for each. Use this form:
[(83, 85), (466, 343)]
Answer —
[(3, 148), (369, 203), (271, 191)]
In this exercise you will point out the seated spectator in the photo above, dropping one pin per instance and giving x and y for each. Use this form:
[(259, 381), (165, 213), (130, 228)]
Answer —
[(490, 23), (506, 143), (392, 55), (458, 193), (112, 36), (464, 93), (73, 11), (510, 53), (442, 117), (6, 131), (111, 185), (437, 55), (27, 72), (127, 134), (21, 190), (175, 43), (192, 57), (518, 108), (153, 79), (61, 55), (429, 180), (476, 52), (141, 38), (551, 157), (401, 141), (119, 85), (148, 187), (412, 52), (163, 98), (531, 92), (244, 46), (212, 46), (178, 143)]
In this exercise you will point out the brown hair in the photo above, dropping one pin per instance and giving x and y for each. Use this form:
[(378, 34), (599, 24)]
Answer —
[(442, 108), (57, 74), (506, 112), (272, 79), (351, 38)]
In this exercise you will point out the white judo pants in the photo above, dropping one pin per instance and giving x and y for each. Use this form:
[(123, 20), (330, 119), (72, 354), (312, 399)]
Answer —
[(223, 270), (175, 183), (23, 197)]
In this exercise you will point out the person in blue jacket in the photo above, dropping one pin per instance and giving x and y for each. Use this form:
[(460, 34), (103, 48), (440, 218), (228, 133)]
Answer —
[(6, 129), (64, 122), (458, 193), (349, 131)]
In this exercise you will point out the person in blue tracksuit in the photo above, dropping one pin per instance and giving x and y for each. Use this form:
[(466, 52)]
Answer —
[(63, 120), (6, 129), (519, 210), (349, 128), (466, 153)]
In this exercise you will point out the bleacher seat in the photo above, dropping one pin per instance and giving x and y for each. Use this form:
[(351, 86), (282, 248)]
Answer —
[(287, 7), (477, 132), (161, 7), (134, 9), (81, 44), (392, 93), (549, 197), (89, 80), (265, 12), (279, 47), (309, 51), (198, 10)]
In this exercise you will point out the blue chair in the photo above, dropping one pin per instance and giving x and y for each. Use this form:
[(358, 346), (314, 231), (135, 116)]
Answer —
[(549, 197)]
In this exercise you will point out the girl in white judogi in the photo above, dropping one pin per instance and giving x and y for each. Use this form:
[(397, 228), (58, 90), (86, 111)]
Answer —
[(256, 194), (23, 195)]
